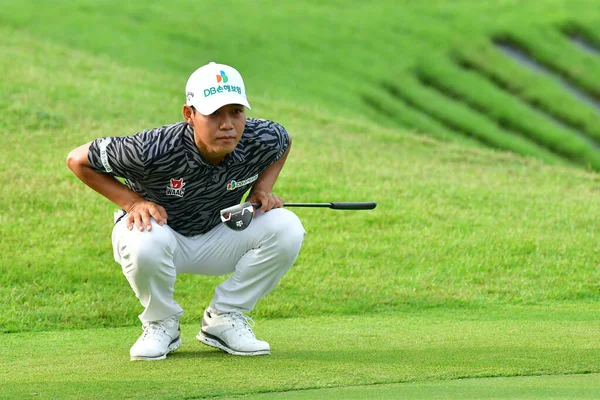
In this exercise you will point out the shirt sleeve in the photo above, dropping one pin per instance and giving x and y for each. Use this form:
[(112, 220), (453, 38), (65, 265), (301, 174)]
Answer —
[(282, 140), (119, 156)]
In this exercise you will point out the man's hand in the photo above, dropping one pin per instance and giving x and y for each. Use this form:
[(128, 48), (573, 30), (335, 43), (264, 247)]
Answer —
[(141, 212), (268, 201), (261, 190)]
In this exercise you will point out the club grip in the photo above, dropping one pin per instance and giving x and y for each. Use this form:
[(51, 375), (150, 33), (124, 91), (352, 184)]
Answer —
[(352, 206)]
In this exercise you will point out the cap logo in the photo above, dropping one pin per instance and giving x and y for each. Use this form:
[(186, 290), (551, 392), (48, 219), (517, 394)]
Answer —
[(222, 89), (222, 77)]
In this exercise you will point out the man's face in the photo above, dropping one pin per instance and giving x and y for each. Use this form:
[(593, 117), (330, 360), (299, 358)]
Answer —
[(217, 134)]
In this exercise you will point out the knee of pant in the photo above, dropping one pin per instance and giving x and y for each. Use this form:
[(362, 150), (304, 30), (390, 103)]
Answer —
[(286, 227), (147, 250)]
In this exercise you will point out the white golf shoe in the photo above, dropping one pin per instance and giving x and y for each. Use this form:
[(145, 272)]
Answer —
[(158, 340), (232, 333)]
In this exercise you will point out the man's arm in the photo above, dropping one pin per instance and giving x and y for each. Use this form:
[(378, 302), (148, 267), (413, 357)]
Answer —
[(138, 208), (262, 188)]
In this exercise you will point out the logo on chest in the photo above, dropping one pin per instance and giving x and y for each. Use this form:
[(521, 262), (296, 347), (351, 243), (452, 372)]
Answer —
[(176, 187), (236, 184)]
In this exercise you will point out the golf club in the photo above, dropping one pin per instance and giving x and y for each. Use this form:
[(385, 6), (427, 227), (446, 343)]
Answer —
[(238, 217)]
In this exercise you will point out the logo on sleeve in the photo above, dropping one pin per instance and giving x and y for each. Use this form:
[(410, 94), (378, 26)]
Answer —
[(176, 187), (103, 144)]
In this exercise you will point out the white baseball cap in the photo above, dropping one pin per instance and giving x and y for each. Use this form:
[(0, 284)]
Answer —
[(214, 85)]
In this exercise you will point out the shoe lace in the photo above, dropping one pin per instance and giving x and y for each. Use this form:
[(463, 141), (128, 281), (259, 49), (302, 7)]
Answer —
[(155, 330), (242, 324)]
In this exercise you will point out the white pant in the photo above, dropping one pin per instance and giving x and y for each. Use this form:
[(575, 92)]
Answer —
[(258, 257)]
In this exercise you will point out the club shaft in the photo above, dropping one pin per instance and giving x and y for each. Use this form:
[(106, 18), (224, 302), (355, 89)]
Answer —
[(337, 205), (324, 205)]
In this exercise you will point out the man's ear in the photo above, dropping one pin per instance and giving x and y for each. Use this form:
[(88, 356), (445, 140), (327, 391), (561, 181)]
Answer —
[(187, 114)]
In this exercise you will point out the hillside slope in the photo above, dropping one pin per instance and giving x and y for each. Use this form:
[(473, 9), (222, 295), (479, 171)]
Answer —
[(435, 67), (456, 226)]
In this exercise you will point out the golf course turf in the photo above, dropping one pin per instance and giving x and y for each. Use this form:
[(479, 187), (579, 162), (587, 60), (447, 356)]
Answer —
[(475, 277)]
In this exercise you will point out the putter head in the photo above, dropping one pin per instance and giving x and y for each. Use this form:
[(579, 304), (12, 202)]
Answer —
[(238, 217)]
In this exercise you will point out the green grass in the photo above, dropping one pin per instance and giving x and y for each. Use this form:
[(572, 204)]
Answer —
[(536, 387), (476, 263), (346, 352), (310, 64), (455, 225)]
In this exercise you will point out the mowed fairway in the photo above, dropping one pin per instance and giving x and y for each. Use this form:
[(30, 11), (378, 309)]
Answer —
[(475, 277)]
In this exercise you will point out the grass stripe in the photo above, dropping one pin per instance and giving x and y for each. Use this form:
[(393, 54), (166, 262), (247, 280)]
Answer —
[(551, 49), (508, 111), (462, 118), (539, 90), (584, 32), (404, 115)]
